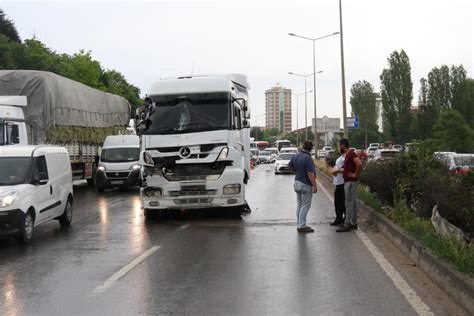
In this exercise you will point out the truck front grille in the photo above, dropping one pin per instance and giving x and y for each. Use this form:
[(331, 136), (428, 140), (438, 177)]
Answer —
[(192, 193)]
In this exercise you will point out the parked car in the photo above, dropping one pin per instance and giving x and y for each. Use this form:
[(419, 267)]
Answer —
[(362, 154), (291, 150), (274, 152), (281, 163), (373, 146), (264, 156), (398, 147), (324, 152), (35, 187), (460, 163), (254, 156), (381, 155)]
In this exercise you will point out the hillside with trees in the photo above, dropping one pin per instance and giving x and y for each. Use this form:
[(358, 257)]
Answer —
[(32, 54)]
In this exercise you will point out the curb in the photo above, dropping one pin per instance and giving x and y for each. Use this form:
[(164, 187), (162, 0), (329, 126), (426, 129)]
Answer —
[(456, 284)]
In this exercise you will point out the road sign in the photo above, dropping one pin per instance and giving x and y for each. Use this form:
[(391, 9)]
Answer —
[(353, 122)]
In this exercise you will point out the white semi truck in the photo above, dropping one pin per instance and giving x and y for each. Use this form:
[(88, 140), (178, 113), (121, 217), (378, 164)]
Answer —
[(38, 107), (195, 144)]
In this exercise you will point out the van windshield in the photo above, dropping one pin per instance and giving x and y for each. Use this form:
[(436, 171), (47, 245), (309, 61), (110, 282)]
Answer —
[(14, 170), (177, 114), (120, 154)]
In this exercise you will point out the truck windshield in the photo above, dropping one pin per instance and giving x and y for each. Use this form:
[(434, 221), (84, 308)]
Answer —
[(14, 170), (120, 154), (176, 114)]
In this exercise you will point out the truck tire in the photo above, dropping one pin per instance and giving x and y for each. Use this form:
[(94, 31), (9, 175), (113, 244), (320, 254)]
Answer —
[(99, 189), (26, 231), (151, 214), (66, 218), (90, 182)]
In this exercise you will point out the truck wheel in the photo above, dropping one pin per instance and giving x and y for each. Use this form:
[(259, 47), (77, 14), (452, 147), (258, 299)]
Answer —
[(99, 189), (90, 182), (66, 218), (151, 214), (236, 211), (26, 231)]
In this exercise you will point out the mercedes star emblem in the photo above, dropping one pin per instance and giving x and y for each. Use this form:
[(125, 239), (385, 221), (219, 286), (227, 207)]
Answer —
[(185, 152)]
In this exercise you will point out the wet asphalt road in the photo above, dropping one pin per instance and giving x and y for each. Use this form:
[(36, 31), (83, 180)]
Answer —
[(203, 265)]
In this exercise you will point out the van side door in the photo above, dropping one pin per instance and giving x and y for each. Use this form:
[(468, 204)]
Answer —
[(43, 195), (58, 171)]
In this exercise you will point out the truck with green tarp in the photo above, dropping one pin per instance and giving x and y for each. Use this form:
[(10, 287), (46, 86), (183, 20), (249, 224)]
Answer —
[(38, 107)]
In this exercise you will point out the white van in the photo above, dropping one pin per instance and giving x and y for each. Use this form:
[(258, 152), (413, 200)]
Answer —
[(118, 163), (35, 186)]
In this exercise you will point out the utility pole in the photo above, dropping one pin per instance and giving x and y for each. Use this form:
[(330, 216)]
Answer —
[(343, 75)]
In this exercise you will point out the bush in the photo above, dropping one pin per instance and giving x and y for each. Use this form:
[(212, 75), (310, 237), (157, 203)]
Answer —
[(421, 181)]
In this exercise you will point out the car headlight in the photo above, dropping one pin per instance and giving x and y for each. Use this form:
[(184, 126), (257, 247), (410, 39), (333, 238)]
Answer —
[(101, 168), (223, 154), (7, 198), (135, 167), (231, 188)]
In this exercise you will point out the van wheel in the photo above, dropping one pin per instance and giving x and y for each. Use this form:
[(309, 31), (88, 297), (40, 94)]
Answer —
[(66, 218), (26, 232)]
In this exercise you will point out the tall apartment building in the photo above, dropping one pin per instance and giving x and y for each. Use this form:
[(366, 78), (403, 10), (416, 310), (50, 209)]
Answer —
[(278, 108)]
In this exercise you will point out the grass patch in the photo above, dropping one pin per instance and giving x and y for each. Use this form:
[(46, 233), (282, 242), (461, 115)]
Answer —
[(369, 198), (323, 167), (447, 248)]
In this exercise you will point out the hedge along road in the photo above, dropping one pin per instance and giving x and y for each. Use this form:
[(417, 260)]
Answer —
[(112, 261)]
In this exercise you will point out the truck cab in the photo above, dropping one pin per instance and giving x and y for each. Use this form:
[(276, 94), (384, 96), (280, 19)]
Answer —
[(12, 120), (195, 144), (118, 163)]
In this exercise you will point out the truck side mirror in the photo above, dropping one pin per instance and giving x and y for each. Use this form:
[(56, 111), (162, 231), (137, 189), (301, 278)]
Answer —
[(148, 160)]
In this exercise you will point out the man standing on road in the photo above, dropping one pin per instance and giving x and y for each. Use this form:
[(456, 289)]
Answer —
[(351, 172), (339, 196), (305, 184)]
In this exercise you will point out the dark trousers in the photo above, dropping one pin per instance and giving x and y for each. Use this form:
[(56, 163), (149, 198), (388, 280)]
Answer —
[(340, 202)]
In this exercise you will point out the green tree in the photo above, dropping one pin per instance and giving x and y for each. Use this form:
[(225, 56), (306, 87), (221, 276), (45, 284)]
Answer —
[(438, 93), (464, 101), (452, 132), (9, 53), (363, 103), (116, 83), (36, 56), (81, 67), (7, 28), (397, 94)]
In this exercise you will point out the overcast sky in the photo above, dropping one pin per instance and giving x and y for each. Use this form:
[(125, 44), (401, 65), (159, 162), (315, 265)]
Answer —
[(150, 40)]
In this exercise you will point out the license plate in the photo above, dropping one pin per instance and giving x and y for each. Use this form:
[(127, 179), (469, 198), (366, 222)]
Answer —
[(116, 182)]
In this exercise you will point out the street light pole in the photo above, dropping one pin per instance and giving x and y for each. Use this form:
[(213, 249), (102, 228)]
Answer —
[(314, 99), (343, 75), (314, 74), (306, 99), (297, 115)]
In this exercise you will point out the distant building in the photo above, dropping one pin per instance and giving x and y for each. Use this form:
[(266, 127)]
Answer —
[(278, 108)]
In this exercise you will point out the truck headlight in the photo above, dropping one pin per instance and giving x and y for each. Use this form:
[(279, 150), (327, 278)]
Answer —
[(223, 154), (135, 167), (7, 198), (153, 192), (101, 168), (231, 188)]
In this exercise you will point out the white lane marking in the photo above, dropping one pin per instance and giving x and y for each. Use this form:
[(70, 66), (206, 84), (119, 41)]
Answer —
[(407, 291), (185, 226), (126, 269)]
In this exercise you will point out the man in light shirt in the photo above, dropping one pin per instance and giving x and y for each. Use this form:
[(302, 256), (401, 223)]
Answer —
[(339, 194)]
